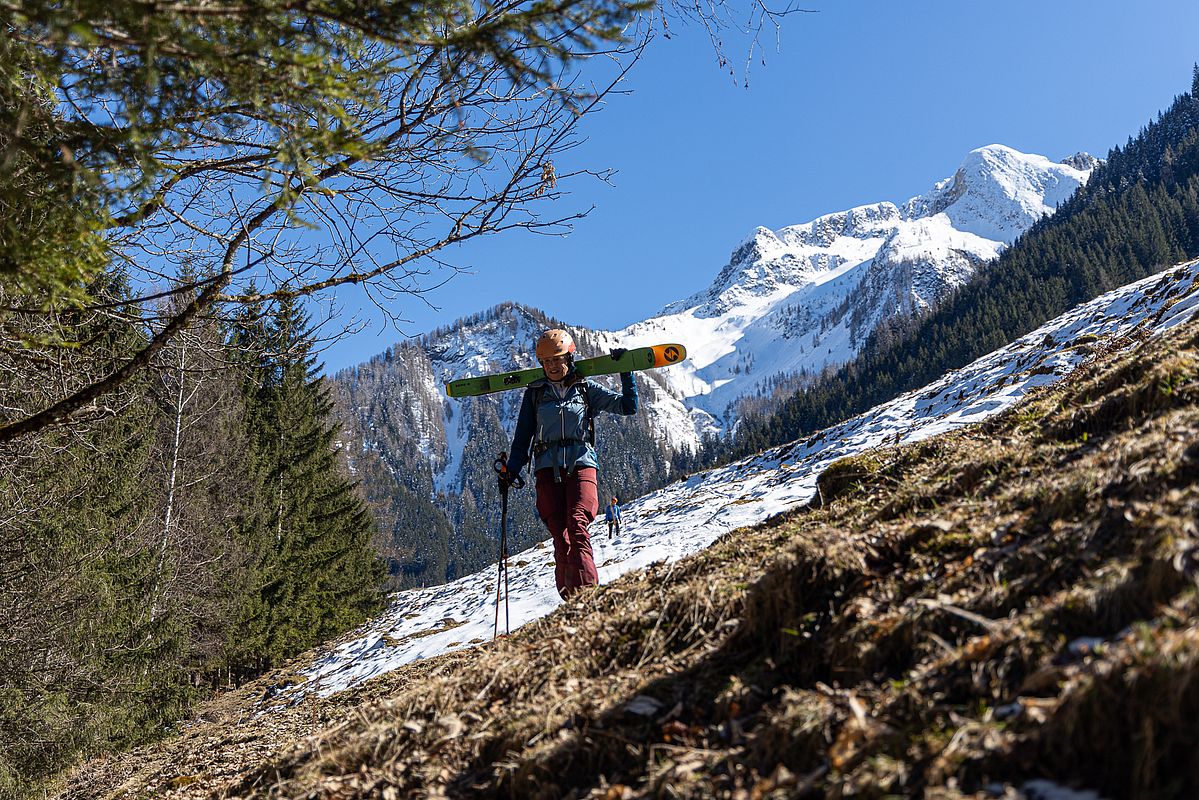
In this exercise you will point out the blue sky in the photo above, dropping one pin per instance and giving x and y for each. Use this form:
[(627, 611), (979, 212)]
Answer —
[(862, 101)]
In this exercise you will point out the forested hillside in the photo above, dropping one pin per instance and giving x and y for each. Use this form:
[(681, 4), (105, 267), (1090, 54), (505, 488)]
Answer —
[(1138, 213), (193, 533)]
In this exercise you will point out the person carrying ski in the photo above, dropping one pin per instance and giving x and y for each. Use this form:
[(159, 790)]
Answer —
[(556, 431), (612, 515)]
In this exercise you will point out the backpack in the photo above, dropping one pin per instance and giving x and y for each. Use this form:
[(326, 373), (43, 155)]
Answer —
[(540, 395)]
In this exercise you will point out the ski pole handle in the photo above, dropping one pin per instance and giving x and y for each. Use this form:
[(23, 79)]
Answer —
[(505, 477)]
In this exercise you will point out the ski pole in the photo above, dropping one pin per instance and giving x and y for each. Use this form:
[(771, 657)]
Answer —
[(504, 561), (496, 630), (501, 580)]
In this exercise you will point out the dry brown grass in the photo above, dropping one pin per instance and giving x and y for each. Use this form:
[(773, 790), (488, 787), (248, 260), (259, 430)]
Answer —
[(1010, 602)]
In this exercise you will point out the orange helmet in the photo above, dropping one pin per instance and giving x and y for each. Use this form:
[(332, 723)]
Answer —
[(554, 343)]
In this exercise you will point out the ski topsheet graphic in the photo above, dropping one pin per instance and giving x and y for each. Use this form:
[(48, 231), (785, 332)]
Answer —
[(638, 358)]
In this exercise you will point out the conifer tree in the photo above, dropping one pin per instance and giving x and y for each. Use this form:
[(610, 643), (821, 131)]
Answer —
[(76, 664), (315, 573)]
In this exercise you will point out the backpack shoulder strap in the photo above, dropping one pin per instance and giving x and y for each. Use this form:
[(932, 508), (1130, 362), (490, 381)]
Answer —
[(538, 390), (590, 416)]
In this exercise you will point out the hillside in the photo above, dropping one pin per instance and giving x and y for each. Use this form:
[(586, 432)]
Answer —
[(690, 514), (990, 612)]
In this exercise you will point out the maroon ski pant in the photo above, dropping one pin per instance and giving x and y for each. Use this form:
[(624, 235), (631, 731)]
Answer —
[(567, 507)]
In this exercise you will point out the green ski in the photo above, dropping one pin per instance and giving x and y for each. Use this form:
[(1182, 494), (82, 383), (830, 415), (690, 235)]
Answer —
[(638, 358)]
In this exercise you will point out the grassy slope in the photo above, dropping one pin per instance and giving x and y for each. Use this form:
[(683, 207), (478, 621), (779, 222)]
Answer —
[(916, 635)]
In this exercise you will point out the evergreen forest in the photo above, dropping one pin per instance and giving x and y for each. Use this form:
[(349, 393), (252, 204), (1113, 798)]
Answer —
[(194, 532)]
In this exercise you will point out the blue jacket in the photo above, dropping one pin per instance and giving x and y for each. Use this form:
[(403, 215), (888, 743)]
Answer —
[(555, 433), (611, 513)]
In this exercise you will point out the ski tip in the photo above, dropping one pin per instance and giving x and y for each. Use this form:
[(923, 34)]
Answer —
[(667, 354)]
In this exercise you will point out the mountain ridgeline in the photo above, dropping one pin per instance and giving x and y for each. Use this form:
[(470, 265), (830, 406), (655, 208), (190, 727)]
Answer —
[(796, 301), (1138, 213)]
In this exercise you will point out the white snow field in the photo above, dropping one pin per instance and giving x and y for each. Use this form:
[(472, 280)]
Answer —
[(689, 515)]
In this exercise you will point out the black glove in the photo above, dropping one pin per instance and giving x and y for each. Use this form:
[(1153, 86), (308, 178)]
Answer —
[(617, 352)]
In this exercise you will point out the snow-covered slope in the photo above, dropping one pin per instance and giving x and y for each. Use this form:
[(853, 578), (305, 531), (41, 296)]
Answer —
[(690, 514), (793, 301)]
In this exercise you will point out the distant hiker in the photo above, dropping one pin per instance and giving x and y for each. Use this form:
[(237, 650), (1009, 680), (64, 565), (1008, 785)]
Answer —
[(556, 431), (612, 514)]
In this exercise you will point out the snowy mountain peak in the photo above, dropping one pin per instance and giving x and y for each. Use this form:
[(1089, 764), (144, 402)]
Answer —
[(998, 193), (1082, 160), (760, 244), (793, 301)]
